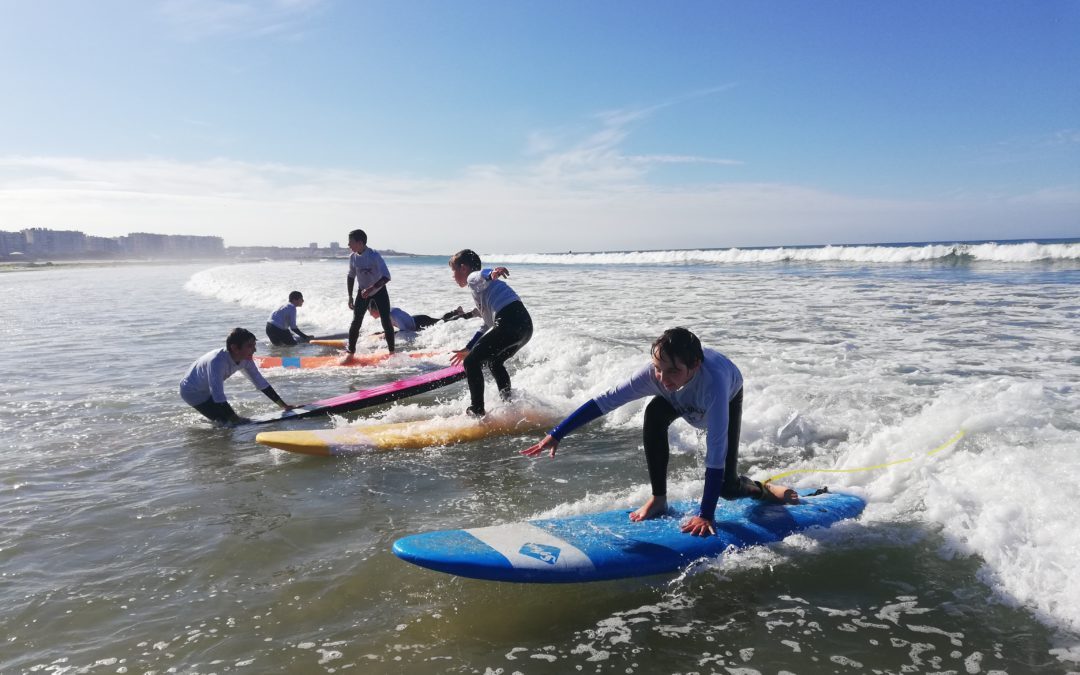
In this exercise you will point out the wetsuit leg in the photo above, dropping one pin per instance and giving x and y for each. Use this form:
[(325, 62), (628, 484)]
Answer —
[(422, 321), (360, 307), (278, 336), (512, 330), (659, 415), (382, 302), (731, 478), (215, 412), (519, 323)]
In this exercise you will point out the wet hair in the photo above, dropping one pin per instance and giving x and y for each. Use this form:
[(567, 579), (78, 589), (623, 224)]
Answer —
[(295, 295), (239, 337), (679, 344), (372, 305), (358, 235), (468, 257)]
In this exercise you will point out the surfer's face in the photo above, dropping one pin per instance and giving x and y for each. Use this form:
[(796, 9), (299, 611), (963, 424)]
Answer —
[(244, 352), (672, 374), (461, 273)]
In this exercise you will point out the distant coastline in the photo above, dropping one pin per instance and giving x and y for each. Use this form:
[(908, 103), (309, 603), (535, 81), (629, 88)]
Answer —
[(30, 247)]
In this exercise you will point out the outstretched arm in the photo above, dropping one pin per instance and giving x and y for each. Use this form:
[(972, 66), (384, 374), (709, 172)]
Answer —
[(273, 396), (579, 418)]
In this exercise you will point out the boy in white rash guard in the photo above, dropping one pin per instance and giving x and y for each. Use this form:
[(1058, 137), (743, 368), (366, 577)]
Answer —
[(371, 275), (203, 388), (507, 326), (404, 321), (283, 320), (705, 388)]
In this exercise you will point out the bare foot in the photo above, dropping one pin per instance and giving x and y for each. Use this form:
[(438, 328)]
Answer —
[(779, 494), (656, 506)]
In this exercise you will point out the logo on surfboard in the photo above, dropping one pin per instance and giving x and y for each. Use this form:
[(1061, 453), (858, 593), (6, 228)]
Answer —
[(542, 552)]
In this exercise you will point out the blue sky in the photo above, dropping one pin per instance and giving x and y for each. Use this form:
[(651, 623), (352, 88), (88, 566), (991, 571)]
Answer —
[(542, 126)]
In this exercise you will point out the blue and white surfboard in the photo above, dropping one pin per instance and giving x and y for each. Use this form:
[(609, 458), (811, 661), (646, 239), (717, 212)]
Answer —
[(609, 545)]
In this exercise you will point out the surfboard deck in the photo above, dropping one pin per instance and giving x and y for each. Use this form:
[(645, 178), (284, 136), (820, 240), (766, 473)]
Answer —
[(366, 398), (357, 360), (358, 440), (604, 546)]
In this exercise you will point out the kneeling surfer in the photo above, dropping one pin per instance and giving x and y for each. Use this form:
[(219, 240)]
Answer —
[(203, 388), (705, 388)]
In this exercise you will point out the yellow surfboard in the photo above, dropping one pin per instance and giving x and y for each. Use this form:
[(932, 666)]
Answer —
[(340, 344), (357, 440)]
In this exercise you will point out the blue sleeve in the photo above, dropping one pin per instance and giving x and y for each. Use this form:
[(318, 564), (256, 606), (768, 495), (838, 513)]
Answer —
[(579, 418), (714, 484)]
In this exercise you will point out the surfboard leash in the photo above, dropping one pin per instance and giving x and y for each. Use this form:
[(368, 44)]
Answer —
[(952, 441)]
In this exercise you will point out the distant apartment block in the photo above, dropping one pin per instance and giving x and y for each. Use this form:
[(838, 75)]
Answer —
[(40, 242)]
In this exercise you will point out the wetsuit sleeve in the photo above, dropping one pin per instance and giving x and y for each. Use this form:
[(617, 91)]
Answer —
[(272, 395), (577, 419), (714, 483)]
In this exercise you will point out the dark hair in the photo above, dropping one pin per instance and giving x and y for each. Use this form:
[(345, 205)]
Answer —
[(239, 337), (679, 344), (295, 295), (358, 235), (468, 257), (372, 305)]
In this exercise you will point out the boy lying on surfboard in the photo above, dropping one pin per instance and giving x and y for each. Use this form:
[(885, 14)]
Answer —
[(703, 387)]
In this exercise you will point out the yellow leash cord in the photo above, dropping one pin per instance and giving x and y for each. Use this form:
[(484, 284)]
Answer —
[(946, 444)]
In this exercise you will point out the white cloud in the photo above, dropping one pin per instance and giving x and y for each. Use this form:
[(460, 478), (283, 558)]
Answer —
[(486, 208), (581, 195), (201, 19)]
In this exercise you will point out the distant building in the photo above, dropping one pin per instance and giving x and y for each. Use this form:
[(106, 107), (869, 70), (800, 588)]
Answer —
[(313, 244), (102, 246), (173, 246), (43, 242), (12, 242), (334, 246)]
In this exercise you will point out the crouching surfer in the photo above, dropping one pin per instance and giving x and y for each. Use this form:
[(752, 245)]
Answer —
[(703, 387), (203, 388)]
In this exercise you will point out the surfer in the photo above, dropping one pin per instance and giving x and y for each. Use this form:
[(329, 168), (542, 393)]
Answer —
[(507, 326), (705, 388), (371, 275), (283, 320), (404, 321), (203, 388)]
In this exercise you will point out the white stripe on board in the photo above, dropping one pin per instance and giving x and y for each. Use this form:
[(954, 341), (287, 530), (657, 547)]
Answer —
[(529, 547)]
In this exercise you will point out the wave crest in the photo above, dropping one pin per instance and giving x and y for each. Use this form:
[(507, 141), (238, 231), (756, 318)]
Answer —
[(1019, 252)]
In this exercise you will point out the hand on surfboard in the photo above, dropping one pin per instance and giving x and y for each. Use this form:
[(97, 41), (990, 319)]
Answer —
[(549, 442), (698, 526), (458, 357)]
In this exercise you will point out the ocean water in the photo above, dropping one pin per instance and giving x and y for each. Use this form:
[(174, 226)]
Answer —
[(136, 538)]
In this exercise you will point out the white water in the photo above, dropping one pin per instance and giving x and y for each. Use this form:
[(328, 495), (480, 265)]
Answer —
[(987, 252), (842, 371)]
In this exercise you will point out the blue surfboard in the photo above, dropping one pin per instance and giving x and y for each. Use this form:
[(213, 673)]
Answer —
[(600, 546)]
